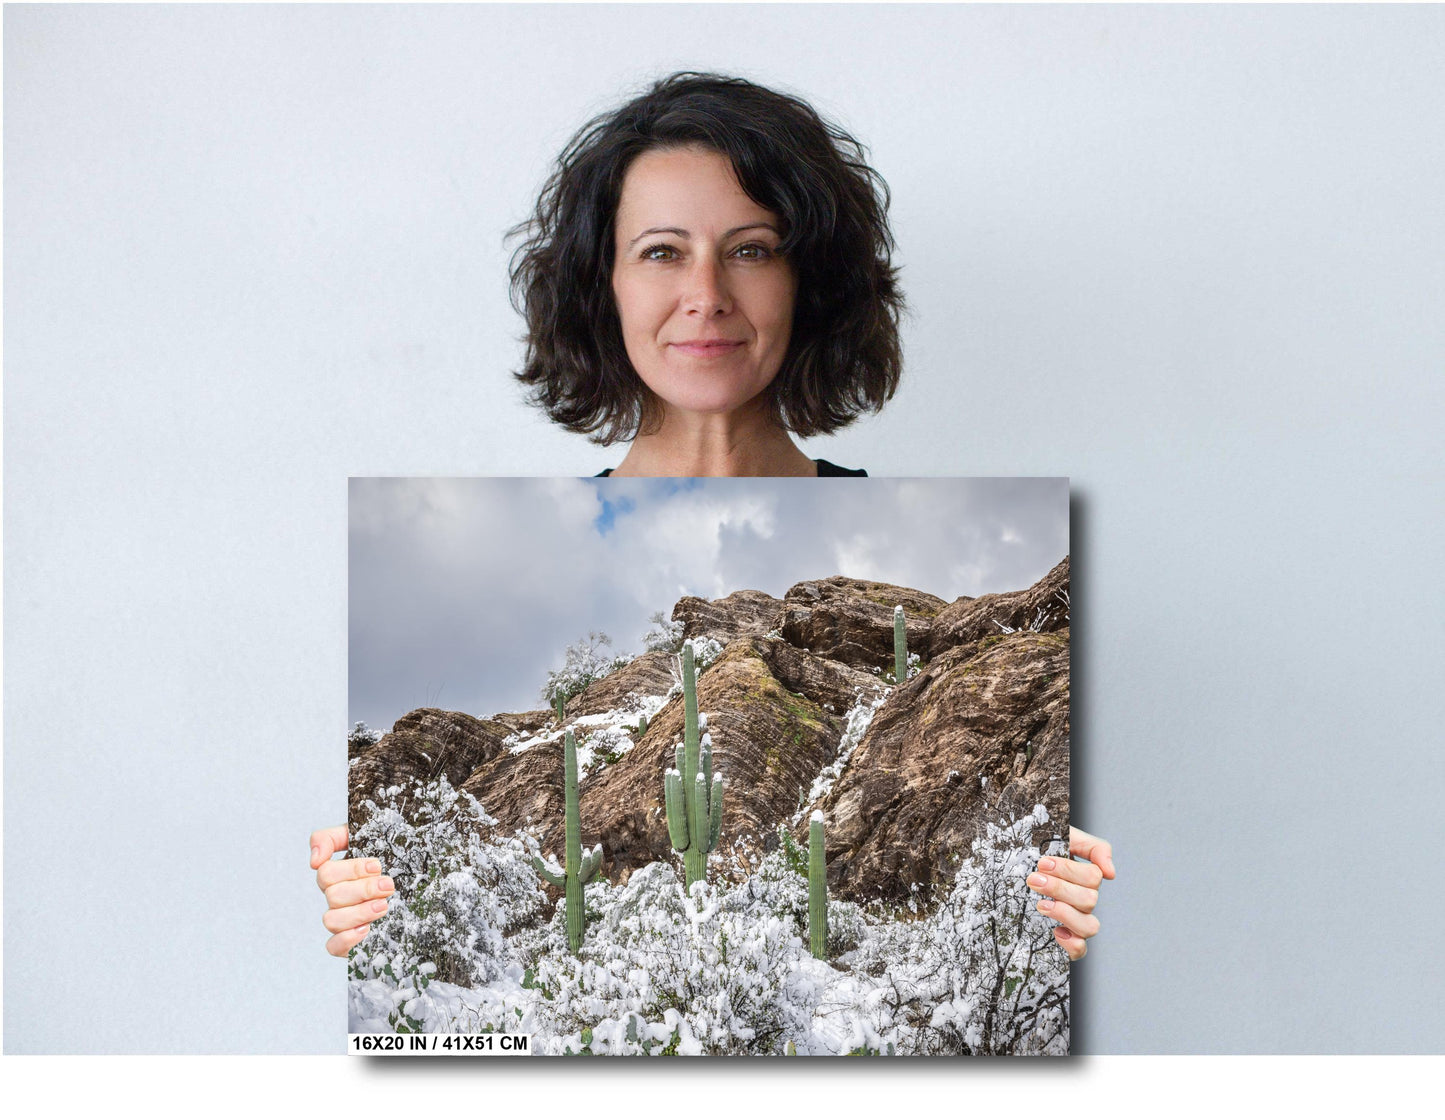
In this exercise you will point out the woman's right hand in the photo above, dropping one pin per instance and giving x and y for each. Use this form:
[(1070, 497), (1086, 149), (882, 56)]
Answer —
[(355, 890)]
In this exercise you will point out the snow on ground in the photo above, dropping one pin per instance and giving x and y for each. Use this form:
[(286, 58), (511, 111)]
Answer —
[(856, 720)]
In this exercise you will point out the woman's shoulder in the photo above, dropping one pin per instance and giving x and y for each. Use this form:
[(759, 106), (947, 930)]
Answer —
[(825, 470)]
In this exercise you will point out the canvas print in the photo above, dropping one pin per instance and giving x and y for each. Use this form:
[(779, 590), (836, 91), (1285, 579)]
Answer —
[(712, 766)]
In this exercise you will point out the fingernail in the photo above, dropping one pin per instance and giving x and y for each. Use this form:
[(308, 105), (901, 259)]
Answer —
[(373, 866), (1046, 904), (1038, 880), (1046, 864), (384, 883), (379, 905), (314, 853)]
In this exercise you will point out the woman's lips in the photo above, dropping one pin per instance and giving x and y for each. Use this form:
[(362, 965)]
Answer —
[(706, 349)]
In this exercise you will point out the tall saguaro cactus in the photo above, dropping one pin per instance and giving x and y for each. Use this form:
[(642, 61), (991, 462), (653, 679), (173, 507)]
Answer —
[(817, 888), (692, 793), (580, 866), (900, 647)]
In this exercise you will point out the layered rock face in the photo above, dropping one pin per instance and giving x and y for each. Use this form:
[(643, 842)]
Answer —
[(980, 732)]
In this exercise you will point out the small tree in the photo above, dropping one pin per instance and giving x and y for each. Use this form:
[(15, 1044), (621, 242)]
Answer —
[(585, 662)]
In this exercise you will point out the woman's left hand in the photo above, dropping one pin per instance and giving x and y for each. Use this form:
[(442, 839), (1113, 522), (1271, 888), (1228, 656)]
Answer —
[(1071, 889)]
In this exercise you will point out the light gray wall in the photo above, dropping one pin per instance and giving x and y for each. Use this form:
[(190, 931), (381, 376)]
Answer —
[(1193, 258)]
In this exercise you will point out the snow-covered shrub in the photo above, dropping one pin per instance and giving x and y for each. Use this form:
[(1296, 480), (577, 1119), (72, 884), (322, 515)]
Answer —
[(460, 888), (665, 634), (983, 974), (361, 736), (601, 749), (725, 979), (585, 662)]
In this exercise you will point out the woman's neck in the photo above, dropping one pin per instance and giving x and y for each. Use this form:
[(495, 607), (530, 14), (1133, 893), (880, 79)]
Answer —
[(690, 444)]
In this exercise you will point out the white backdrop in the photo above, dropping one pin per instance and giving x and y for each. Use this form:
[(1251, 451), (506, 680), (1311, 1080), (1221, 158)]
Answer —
[(1193, 258)]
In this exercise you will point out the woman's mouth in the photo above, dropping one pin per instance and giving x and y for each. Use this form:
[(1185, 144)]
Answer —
[(706, 348)]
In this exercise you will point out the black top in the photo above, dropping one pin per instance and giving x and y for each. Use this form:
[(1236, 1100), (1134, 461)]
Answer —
[(825, 470)]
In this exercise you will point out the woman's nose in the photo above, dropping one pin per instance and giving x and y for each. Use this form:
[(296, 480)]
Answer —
[(707, 292)]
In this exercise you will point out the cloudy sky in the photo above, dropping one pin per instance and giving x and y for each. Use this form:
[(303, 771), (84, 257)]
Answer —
[(465, 591)]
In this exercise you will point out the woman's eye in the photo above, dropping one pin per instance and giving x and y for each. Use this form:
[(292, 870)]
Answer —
[(753, 252), (658, 253)]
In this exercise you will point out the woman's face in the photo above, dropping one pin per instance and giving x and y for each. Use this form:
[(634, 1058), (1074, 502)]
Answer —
[(705, 300)]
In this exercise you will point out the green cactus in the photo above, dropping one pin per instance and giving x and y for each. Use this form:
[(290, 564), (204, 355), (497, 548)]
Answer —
[(558, 706), (900, 647), (641, 726), (692, 793), (581, 866), (817, 888)]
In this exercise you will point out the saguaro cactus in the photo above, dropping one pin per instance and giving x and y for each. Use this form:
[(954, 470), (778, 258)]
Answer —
[(692, 793), (580, 866), (642, 725), (817, 888), (558, 706), (900, 647)]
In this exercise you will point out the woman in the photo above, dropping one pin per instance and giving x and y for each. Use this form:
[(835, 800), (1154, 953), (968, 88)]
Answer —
[(706, 275)]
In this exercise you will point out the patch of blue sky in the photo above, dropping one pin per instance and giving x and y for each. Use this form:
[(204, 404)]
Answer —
[(607, 518)]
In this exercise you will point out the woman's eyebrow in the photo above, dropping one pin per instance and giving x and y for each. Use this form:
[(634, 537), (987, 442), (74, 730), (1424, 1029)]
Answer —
[(682, 233)]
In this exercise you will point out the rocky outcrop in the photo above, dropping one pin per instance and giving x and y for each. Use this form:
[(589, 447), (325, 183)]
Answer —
[(851, 620), (982, 731), (1043, 607), (423, 745), (743, 614)]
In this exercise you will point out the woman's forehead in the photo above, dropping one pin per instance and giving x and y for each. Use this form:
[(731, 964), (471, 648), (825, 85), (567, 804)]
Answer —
[(683, 188)]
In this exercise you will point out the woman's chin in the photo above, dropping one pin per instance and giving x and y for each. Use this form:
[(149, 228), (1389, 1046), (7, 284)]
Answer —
[(707, 404)]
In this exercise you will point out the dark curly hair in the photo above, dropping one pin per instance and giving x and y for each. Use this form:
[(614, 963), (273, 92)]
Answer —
[(844, 354)]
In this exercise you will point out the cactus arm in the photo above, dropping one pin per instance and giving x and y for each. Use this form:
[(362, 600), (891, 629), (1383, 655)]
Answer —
[(715, 824), (680, 756), (676, 813), (554, 875), (817, 888), (590, 862), (705, 759), (900, 647), (697, 815)]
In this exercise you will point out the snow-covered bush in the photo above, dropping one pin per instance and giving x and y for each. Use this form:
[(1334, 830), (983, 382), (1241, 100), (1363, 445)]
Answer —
[(460, 888), (665, 635), (361, 736), (983, 974), (584, 663), (601, 749), (469, 944), (734, 978)]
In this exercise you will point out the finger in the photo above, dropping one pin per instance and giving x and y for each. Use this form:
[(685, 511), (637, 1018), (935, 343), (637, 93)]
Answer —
[(334, 871), (1080, 898), (1085, 925), (326, 842), (344, 942), (349, 892), (344, 918), (1074, 870), (1073, 944), (1093, 849)]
